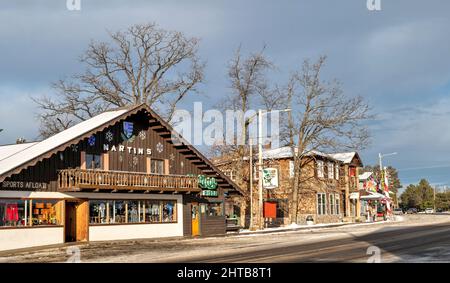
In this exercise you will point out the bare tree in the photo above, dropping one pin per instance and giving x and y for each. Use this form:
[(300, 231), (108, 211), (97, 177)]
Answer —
[(143, 64), (324, 119), (248, 84)]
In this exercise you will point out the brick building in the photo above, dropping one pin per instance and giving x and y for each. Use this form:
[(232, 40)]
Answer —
[(325, 187)]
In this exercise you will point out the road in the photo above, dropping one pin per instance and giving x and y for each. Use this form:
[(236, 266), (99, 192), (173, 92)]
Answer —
[(418, 238)]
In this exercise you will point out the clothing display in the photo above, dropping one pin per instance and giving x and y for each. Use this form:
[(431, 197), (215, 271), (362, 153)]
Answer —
[(12, 212)]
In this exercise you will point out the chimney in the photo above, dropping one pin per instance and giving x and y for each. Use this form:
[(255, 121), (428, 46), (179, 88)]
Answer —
[(20, 140)]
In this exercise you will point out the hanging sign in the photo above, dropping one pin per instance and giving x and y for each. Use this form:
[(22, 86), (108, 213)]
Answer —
[(270, 178), (208, 185)]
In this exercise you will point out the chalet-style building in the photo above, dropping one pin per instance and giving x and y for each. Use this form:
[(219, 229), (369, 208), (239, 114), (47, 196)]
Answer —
[(351, 165), (124, 174), (321, 195)]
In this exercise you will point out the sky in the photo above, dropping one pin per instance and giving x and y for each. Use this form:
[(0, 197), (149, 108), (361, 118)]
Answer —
[(398, 59)]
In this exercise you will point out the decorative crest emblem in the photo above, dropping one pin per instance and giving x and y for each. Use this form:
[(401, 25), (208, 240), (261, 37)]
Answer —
[(127, 131)]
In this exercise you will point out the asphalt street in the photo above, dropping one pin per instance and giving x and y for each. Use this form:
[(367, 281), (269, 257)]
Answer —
[(416, 238)]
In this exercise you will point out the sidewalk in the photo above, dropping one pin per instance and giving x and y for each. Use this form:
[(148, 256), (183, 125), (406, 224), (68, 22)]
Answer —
[(61, 248)]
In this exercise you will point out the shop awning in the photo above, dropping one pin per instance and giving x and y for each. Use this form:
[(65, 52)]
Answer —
[(373, 196)]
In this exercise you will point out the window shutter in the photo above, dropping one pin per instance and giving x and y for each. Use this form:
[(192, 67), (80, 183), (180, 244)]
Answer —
[(83, 160), (148, 165), (166, 167)]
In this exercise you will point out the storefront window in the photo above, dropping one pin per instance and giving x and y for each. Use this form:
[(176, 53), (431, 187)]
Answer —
[(169, 214), (46, 212), (101, 211), (132, 211), (119, 210), (152, 211), (13, 213), (215, 209), (23, 213)]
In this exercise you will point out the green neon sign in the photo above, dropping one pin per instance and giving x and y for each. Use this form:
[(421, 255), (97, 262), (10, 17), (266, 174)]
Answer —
[(208, 185)]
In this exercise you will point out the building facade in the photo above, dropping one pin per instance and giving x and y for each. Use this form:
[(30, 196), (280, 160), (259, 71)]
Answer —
[(124, 174), (321, 194), (351, 165)]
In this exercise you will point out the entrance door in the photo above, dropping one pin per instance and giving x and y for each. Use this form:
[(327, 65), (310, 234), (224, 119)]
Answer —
[(76, 221), (195, 219)]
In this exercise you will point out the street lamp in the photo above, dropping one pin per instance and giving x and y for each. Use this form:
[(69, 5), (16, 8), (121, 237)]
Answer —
[(380, 156), (260, 164)]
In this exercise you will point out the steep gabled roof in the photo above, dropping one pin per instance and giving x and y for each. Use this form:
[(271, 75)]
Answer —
[(287, 152), (10, 149), (347, 157), (29, 156), (73, 134)]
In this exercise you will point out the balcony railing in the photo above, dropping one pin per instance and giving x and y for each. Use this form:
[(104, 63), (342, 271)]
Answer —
[(79, 179)]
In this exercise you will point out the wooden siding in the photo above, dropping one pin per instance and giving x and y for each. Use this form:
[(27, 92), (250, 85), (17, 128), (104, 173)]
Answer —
[(46, 171), (212, 225)]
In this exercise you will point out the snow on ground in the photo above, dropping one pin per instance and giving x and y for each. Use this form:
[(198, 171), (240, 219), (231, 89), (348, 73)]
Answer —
[(182, 249)]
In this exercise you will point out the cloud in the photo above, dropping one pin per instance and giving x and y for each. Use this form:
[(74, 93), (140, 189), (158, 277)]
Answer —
[(18, 114), (397, 58)]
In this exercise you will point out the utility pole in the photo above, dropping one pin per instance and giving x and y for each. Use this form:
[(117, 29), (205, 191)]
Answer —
[(434, 199), (260, 177), (251, 181), (260, 166)]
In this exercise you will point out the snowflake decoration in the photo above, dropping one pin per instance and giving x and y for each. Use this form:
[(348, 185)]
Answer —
[(159, 147), (91, 140), (172, 157), (142, 135), (74, 148), (109, 136), (135, 161)]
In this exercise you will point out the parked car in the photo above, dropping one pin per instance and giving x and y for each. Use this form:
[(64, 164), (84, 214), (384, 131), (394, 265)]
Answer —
[(411, 211), (398, 211), (429, 210)]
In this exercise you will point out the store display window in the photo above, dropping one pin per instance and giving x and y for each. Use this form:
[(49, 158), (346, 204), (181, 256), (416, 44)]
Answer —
[(168, 208), (101, 211), (13, 213), (215, 209), (46, 212), (27, 213), (132, 211), (152, 211)]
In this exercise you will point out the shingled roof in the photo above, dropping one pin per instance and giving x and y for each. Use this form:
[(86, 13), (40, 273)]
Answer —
[(14, 158)]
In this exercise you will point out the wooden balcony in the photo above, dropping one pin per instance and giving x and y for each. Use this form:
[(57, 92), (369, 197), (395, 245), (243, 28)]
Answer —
[(74, 180)]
